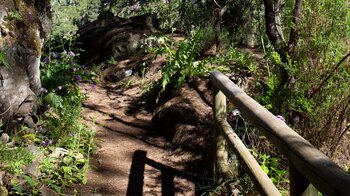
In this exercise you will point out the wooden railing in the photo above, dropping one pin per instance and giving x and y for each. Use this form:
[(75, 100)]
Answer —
[(310, 171)]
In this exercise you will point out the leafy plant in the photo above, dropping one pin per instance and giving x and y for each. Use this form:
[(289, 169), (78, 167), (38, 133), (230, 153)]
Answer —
[(59, 127), (272, 163), (181, 62), (14, 15), (3, 59), (14, 158)]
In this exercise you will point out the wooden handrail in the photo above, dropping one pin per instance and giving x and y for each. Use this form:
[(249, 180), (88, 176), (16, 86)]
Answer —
[(225, 138), (304, 159)]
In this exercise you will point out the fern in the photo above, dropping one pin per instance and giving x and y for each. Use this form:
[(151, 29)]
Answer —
[(3, 59)]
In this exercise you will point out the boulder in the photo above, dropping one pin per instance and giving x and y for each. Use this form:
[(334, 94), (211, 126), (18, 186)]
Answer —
[(24, 24), (5, 138), (114, 37)]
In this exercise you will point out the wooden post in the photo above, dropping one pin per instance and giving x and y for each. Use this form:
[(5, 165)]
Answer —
[(298, 184), (221, 154), (315, 166), (260, 179)]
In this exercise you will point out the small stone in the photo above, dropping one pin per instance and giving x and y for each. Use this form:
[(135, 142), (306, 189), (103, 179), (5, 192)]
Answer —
[(3, 191), (235, 192), (33, 149), (46, 191), (30, 131), (128, 73), (4, 138), (59, 152), (33, 169), (28, 120), (2, 175), (78, 156)]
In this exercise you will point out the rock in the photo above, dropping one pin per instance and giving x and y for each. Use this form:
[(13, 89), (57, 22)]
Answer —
[(21, 41), (112, 36), (2, 175), (33, 169), (28, 120), (46, 191), (59, 153), (33, 149), (5, 138), (128, 73), (3, 191), (78, 157), (30, 131)]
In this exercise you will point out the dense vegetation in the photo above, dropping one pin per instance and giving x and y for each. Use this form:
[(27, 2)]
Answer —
[(303, 76)]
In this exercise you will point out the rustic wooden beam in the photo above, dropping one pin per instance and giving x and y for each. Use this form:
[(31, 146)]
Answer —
[(298, 184), (221, 155), (261, 181), (315, 166)]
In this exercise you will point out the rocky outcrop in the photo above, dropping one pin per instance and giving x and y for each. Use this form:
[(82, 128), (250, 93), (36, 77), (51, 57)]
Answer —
[(114, 37), (24, 24)]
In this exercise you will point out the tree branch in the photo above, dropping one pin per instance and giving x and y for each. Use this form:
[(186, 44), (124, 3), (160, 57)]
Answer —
[(329, 76), (294, 31)]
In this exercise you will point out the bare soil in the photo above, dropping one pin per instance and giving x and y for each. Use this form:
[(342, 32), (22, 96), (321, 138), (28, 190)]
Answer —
[(133, 158)]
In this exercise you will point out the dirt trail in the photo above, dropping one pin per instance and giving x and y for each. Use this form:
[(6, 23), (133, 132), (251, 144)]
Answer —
[(131, 158)]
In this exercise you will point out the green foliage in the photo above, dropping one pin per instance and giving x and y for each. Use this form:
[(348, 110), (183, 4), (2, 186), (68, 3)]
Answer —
[(181, 61), (61, 76), (346, 168), (314, 105), (234, 59), (14, 158), (59, 128), (68, 15), (60, 71), (272, 167), (15, 16), (172, 15), (65, 172), (271, 162), (3, 58), (215, 187)]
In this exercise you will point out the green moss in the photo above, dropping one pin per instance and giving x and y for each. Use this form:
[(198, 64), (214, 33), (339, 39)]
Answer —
[(27, 28), (15, 15)]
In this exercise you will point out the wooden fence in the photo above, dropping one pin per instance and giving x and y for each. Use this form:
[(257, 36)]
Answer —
[(310, 171)]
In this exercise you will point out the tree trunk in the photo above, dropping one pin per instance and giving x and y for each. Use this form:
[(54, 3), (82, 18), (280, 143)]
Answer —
[(24, 26), (274, 32), (294, 32)]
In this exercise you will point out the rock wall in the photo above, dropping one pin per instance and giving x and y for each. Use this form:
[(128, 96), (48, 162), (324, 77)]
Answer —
[(24, 25)]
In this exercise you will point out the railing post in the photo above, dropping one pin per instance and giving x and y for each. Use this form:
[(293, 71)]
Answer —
[(221, 155), (298, 184), (306, 162)]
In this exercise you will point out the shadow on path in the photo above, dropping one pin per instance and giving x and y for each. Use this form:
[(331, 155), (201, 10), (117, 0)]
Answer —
[(114, 117), (136, 177)]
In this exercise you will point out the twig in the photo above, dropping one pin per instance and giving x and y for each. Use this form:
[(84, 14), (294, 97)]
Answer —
[(217, 3), (329, 76)]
